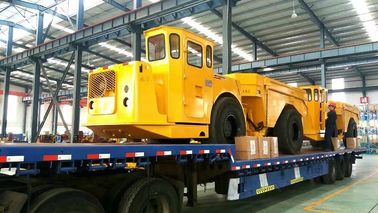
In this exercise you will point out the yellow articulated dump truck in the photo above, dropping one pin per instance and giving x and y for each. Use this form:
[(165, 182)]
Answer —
[(176, 95), (314, 122)]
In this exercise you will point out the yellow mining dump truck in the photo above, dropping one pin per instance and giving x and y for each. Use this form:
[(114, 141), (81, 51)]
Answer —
[(176, 95), (314, 122)]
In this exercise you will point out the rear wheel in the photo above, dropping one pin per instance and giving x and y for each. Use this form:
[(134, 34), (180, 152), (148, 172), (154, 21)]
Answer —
[(150, 195), (331, 176), (65, 200), (340, 167), (289, 130), (227, 122), (348, 165)]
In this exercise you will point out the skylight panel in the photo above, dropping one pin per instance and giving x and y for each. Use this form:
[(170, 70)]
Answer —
[(366, 18)]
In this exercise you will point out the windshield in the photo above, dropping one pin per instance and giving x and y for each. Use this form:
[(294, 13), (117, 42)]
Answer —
[(156, 48)]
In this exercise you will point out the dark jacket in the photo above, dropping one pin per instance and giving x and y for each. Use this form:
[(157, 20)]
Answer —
[(331, 119)]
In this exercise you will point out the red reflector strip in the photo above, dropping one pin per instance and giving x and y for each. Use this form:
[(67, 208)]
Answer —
[(56, 157), (134, 154), (218, 151), (277, 163), (246, 166), (204, 151), (92, 156), (267, 164), (186, 152), (294, 161), (163, 153), (3, 159), (285, 161), (10, 159), (256, 165), (235, 168)]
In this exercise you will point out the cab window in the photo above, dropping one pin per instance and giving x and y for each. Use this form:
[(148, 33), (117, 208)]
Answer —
[(316, 95), (194, 54), (174, 42), (309, 94), (156, 48), (321, 96), (209, 56)]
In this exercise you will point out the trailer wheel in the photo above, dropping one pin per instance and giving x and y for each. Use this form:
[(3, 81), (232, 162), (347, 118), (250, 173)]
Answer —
[(289, 130), (331, 176), (348, 165), (227, 121), (150, 195), (340, 167), (64, 200)]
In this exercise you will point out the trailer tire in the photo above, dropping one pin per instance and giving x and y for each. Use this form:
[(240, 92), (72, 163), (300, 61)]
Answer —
[(348, 165), (227, 121), (331, 176), (63, 200), (149, 193), (289, 130), (340, 167)]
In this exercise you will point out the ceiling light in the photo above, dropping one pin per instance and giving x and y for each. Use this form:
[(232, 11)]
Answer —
[(116, 49), (366, 18), (294, 14)]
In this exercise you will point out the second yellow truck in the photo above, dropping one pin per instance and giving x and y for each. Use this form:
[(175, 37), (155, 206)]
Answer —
[(176, 95)]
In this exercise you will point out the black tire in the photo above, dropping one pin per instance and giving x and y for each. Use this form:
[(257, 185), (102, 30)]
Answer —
[(227, 121), (289, 130), (331, 176), (340, 167), (65, 200), (348, 165), (149, 195)]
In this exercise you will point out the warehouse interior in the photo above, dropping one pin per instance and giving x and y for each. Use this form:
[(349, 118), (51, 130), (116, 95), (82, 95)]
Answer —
[(48, 47)]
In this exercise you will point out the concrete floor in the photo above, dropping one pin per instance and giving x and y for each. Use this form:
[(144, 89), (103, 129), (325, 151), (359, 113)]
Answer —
[(356, 194)]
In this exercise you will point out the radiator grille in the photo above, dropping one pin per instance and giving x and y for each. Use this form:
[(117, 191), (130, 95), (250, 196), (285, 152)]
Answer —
[(102, 84)]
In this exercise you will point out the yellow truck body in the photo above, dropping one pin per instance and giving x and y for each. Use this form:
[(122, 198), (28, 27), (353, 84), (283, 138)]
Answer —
[(176, 95)]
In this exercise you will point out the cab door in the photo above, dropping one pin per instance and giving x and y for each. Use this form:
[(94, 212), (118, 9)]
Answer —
[(193, 98)]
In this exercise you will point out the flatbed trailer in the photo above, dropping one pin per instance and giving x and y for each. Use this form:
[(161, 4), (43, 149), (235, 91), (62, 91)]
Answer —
[(143, 177)]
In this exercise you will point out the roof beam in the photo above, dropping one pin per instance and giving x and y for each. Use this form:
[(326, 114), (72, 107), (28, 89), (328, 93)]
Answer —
[(117, 5), (358, 71), (314, 56), (11, 24), (354, 89), (308, 78), (248, 35), (318, 22), (37, 7)]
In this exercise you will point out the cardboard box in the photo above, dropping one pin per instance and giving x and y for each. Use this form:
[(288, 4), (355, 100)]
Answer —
[(264, 147), (274, 147), (351, 143), (246, 148), (336, 144)]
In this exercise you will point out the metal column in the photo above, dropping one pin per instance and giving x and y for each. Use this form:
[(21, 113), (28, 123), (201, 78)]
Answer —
[(36, 83), (226, 53), (6, 84), (25, 114), (322, 38), (323, 74), (54, 120), (363, 85), (136, 36), (77, 77), (254, 51)]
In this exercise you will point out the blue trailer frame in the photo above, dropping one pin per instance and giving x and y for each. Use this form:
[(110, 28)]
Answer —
[(246, 177)]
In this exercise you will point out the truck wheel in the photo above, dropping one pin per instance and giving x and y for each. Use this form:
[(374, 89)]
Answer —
[(227, 121), (149, 195), (348, 166), (340, 167), (289, 130), (64, 200), (331, 176)]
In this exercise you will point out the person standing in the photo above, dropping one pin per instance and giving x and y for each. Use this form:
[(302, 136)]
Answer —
[(331, 129)]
